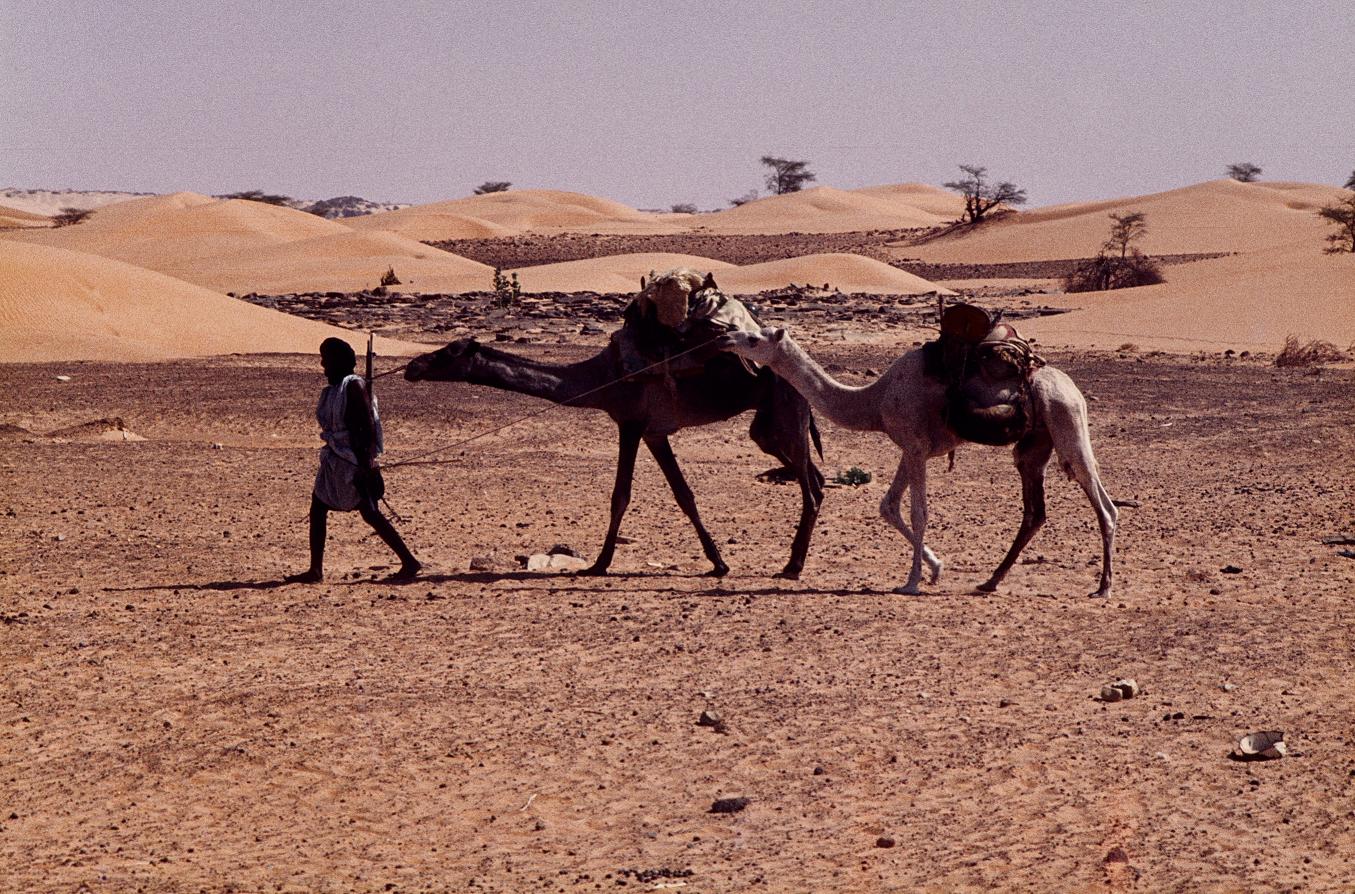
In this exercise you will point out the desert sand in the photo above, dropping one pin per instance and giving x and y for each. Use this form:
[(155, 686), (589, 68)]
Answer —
[(64, 305), (341, 262), (827, 210), (17, 218), (1216, 216), (179, 718)]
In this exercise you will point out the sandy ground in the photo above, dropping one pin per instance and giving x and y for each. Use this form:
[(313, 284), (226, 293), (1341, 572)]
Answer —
[(175, 719)]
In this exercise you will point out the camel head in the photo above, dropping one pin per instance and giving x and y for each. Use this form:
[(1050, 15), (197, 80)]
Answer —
[(760, 347), (445, 364)]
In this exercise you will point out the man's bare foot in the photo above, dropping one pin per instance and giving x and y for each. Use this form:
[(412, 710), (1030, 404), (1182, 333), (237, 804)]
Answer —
[(309, 576), (407, 572)]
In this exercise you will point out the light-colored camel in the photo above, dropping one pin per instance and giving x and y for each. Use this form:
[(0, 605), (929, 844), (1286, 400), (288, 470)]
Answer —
[(908, 405)]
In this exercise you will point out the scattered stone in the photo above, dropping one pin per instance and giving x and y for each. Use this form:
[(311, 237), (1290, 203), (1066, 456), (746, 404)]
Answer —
[(1267, 745), (63, 378), (562, 549), (217, 445), (1127, 504), (714, 721), (730, 805), (884, 841), (484, 563), (1340, 540), (819, 771), (1119, 690), (1231, 569), (1346, 553), (1116, 855), (1228, 687)]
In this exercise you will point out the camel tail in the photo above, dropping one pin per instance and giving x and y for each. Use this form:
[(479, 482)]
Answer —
[(814, 434)]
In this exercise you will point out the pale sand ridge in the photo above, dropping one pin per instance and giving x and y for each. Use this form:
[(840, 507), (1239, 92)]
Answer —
[(62, 305), (1245, 302), (340, 262), (1216, 216)]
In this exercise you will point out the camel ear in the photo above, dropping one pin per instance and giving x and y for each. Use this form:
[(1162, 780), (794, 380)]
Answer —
[(709, 282), (642, 283), (778, 335)]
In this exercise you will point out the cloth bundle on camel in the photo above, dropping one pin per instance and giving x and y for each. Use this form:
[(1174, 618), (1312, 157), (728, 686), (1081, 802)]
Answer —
[(987, 367), (675, 312)]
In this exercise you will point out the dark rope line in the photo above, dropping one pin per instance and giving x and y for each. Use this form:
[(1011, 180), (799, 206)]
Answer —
[(418, 458)]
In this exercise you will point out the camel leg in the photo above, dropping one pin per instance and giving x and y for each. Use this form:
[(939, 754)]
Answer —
[(1073, 442), (912, 473), (625, 473), (781, 429), (1032, 456), (663, 454)]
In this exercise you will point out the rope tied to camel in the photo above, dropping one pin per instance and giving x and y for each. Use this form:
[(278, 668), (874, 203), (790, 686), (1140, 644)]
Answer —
[(419, 460)]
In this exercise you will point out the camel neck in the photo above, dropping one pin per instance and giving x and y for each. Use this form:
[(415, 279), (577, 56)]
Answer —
[(556, 382), (848, 406)]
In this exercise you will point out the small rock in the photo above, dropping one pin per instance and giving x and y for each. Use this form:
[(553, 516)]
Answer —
[(63, 378), (561, 549), (1227, 687), (730, 805), (567, 563), (483, 563), (1231, 569), (1116, 855), (217, 445), (1267, 745), (1110, 693), (819, 771), (884, 841), (709, 718)]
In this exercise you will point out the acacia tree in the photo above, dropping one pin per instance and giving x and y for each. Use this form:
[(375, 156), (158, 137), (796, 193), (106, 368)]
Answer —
[(1108, 270), (1340, 214), (258, 195), (70, 216), (492, 186), (1244, 172), (1128, 227), (1350, 183), (744, 199), (786, 175), (980, 196)]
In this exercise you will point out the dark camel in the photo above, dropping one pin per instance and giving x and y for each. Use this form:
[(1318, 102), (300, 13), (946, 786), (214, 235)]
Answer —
[(649, 410)]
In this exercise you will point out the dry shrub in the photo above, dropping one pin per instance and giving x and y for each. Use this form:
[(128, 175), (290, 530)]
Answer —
[(1105, 272), (1313, 352)]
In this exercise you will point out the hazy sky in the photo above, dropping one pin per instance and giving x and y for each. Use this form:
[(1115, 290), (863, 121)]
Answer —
[(654, 103)]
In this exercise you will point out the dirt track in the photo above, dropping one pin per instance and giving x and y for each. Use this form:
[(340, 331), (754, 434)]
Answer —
[(175, 720)]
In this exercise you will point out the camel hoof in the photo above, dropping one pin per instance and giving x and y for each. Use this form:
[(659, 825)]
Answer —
[(908, 590), (592, 571), (788, 573), (1099, 594), (988, 587), (718, 571)]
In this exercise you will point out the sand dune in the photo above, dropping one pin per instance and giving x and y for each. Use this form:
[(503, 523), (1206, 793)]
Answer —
[(932, 199), (63, 305), (843, 272), (514, 211), (828, 210), (17, 218), (614, 273), (1244, 302), (341, 262), (173, 232), (1217, 216), (621, 273)]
